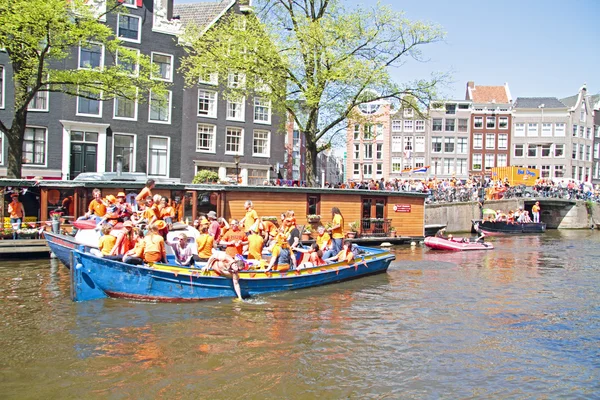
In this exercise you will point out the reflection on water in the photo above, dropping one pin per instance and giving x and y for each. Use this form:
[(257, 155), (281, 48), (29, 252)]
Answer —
[(513, 322)]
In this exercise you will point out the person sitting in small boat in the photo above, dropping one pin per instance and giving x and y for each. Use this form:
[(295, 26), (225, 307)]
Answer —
[(124, 209), (135, 255), (441, 233), (526, 217), (96, 208), (510, 218), (204, 244), (167, 213), (500, 216), (311, 257), (106, 242), (112, 212), (234, 239), (184, 253), (154, 245), (125, 241), (227, 266), (149, 214), (255, 244), (269, 232), (282, 257), (345, 254), (323, 239)]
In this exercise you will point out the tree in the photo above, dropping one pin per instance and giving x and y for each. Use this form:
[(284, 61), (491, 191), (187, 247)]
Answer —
[(314, 60), (40, 36)]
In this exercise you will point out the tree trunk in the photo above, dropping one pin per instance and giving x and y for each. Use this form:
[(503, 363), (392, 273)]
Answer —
[(311, 164), (14, 137)]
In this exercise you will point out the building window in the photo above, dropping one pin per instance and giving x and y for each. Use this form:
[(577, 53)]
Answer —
[(581, 128), (597, 150), (545, 171), (489, 161), (436, 144), (379, 132), (532, 150), (158, 156), (519, 129), (368, 132), (39, 102), (581, 156), (34, 146), (502, 160), (450, 124), (588, 153), (260, 143), (356, 131), (368, 155), (123, 148), (356, 151), (379, 151), (461, 145), (519, 148), (91, 56), (582, 114), (205, 138), (574, 130), (207, 103), (408, 112), (420, 126), (463, 106), (236, 80), (356, 169), (129, 28), (408, 143), (233, 140), (574, 154), (367, 170), (490, 123), (463, 125), (420, 144), (419, 162), (559, 171), (559, 129), (379, 169), (209, 78), (127, 61), (478, 141), (490, 141), (532, 129), (503, 122), (396, 165), (448, 166), (1, 86), (397, 125), (559, 150), (502, 141), (235, 109), (408, 125), (478, 122), (437, 125), (125, 108), (164, 64), (476, 162), (396, 144), (449, 145), (588, 134), (160, 108), (262, 110), (1, 148), (461, 166), (89, 104), (546, 130), (546, 150), (450, 109)]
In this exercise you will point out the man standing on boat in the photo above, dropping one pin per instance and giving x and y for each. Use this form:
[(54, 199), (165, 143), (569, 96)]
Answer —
[(535, 210), (337, 230), (250, 218), (146, 192), (16, 213)]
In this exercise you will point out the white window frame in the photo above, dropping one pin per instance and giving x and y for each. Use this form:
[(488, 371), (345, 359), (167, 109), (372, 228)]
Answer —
[(356, 151), (45, 164), (242, 110), (473, 161), (397, 144), (139, 35), (100, 104), (501, 158), (137, 64), (420, 125), (556, 147), (419, 144), (408, 112), (502, 120), (436, 140), (212, 103), (236, 79), (168, 154), (396, 165), (135, 110), (478, 141), (490, 144), (534, 147), (213, 79), (397, 125), (520, 132), (267, 153), (154, 121), (46, 109), (160, 78), (503, 138), (546, 129), (490, 161), (408, 124), (477, 120), (367, 170), (132, 3), (462, 145), (533, 132), (487, 122), (133, 155), (101, 67), (267, 106), (449, 141), (213, 140), (560, 129), (522, 150), (3, 86), (368, 151), (240, 151), (547, 147)]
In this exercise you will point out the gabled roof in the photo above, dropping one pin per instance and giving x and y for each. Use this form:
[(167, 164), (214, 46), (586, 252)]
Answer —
[(488, 94), (571, 101), (535, 102), (202, 14)]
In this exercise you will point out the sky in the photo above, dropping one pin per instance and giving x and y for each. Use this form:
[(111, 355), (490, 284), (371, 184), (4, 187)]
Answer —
[(541, 48)]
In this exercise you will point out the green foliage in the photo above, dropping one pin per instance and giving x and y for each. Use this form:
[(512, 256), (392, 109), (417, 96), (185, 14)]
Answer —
[(316, 63), (206, 176), (354, 226), (41, 36)]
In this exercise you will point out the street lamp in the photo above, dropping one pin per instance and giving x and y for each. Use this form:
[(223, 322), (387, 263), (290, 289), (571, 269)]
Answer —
[(236, 160)]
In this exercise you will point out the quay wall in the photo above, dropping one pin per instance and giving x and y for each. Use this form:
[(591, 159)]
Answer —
[(557, 215)]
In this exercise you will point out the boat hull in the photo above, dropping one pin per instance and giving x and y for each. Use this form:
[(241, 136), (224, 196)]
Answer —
[(61, 246), (451, 245), (93, 278), (494, 228)]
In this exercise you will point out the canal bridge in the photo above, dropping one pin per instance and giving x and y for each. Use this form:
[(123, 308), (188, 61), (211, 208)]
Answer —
[(556, 213)]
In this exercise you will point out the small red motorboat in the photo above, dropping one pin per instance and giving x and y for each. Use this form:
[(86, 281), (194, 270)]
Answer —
[(438, 243)]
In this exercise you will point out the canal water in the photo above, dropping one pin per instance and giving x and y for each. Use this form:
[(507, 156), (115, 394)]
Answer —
[(520, 321)]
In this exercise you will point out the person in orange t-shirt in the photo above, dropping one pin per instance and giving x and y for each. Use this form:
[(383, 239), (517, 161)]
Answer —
[(337, 230), (96, 209), (250, 218), (16, 213), (345, 254), (146, 192), (167, 212), (234, 239), (255, 245), (205, 244), (154, 246)]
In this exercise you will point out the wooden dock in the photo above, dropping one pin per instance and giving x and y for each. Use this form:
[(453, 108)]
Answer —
[(23, 247)]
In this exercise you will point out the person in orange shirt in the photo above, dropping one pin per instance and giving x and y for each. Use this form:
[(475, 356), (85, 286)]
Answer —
[(146, 192), (337, 230), (167, 213), (234, 239), (269, 231), (16, 213), (345, 254), (125, 242), (149, 214), (205, 244), (250, 218), (106, 242), (323, 239), (96, 209), (255, 245), (134, 256), (154, 246), (282, 257)]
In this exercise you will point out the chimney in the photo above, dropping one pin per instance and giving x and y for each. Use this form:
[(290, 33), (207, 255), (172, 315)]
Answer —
[(470, 85)]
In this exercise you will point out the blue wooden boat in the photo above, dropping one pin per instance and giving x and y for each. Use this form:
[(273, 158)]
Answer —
[(95, 278), (61, 246)]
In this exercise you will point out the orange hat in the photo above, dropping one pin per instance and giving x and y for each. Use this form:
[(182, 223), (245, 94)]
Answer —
[(111, 198), (121, 194), (14, 195), (160, 224)]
